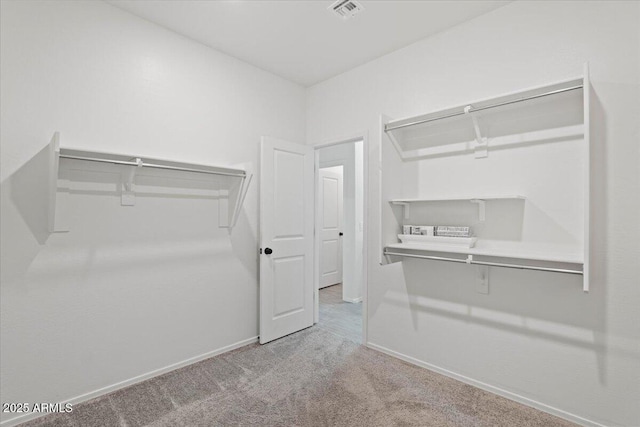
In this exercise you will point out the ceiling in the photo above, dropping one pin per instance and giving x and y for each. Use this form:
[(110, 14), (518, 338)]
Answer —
[(303, 41)]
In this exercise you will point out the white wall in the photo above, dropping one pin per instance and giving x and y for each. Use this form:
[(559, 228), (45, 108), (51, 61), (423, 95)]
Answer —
[(534, 336), (93, 307), (350, 156)]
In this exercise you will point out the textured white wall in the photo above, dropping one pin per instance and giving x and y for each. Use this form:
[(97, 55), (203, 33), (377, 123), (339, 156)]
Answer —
[(535, 335), (94, 307)]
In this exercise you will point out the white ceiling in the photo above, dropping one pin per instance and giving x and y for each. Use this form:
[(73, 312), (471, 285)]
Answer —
[(302, 41)]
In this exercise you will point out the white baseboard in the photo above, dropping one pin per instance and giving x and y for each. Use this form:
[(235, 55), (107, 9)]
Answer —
[(495, 390), (122, 384)]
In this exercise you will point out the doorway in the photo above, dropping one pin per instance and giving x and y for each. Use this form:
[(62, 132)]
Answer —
[(290, 243), (331, 213), (339, 239)]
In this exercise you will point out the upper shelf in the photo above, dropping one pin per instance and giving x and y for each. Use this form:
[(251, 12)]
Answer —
[(231, 189), (545, 113), (480, 200), (130, 160)]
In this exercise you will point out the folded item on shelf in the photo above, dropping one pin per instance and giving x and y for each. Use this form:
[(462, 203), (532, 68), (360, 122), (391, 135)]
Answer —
[(452, 231), (439, 230), (423, 230)]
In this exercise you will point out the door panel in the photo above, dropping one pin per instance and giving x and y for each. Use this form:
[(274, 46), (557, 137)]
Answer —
[(289, 193), (286, 229), (330, 249), (288, 295)]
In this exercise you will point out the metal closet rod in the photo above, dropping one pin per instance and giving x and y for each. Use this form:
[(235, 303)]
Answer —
[(151, 165), (491, 264), (486, 107)]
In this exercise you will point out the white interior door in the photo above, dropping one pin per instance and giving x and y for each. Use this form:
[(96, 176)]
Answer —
[(286, 238), (330, 211)]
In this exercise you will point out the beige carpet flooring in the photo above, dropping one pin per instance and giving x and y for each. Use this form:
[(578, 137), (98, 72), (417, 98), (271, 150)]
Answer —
[(339, 317), (312, 378)]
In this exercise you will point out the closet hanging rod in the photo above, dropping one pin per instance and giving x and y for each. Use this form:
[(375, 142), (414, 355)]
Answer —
[(388, 127), (152, 165), (491, 264)]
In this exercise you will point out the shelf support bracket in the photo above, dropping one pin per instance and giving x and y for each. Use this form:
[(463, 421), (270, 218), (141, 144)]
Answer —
[(482, 280), (128, 197), (244, 187), (481, 209), (481, 144), (406, 209)]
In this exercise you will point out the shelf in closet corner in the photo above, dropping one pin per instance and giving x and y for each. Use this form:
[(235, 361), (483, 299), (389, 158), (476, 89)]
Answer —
[(495, 249), (479, 200), (556, 112), (461, 129)]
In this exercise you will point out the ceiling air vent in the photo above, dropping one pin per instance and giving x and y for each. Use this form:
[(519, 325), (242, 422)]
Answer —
[(346, 9)]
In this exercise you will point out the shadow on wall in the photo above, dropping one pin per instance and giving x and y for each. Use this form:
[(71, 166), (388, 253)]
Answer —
[(244, 235), (598, 211), (244, 242), (29, 192), (24, 215), (540, 305), (25, 209)]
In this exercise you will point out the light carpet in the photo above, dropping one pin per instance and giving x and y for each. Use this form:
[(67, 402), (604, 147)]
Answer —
[(311, 378)]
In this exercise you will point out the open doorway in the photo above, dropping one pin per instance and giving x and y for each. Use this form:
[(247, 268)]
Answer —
[(339, 239), (331, 212)]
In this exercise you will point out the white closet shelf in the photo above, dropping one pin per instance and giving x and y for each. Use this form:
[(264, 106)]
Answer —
[(456, 199), (534, 115), (489, 103), (233, 182), (557, 112), (502, 249), (140, 161), (480, 200), (538, 257)]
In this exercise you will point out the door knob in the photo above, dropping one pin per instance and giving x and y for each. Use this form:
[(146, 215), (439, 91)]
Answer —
[(268, 251), (340, 233)]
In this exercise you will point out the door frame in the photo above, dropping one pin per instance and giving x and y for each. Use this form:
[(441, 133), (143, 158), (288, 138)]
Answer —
[(358, 136)]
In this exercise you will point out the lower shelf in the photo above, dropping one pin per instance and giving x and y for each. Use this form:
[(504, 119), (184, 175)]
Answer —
[(502, 249), (540, 257)]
